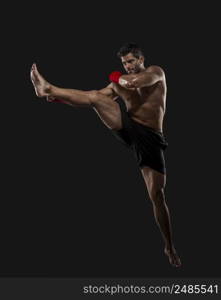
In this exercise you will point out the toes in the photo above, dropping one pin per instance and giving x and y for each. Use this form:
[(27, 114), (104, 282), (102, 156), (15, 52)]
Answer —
[(34, 67), (176, 262), (173, 259)]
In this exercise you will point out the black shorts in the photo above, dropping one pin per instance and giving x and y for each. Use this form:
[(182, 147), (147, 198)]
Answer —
[(147, 144)]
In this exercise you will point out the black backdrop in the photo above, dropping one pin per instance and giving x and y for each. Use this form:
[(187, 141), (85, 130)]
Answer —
[(73, 203)]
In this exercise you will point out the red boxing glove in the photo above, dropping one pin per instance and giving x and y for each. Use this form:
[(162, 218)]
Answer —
[(114, 76)]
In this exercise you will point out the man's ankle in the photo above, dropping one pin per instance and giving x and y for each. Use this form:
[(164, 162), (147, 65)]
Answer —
[(169, 248), (50, 90)]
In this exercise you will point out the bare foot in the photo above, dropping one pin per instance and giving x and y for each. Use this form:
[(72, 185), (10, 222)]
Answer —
[(42, 87), (173, 257)]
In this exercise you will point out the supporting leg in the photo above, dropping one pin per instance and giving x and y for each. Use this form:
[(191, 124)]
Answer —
[(155, 183)]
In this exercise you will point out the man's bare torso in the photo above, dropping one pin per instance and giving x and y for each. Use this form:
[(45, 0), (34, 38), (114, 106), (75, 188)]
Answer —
[(145, 105)]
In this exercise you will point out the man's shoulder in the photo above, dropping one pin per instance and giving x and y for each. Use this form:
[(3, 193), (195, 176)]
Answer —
[(155, 69)]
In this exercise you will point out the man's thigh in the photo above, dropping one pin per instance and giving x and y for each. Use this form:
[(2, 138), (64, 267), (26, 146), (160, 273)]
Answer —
[(107, 109)]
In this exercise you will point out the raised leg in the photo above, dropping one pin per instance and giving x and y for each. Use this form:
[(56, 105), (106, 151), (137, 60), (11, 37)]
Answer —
[(155, 183), (101, 101)]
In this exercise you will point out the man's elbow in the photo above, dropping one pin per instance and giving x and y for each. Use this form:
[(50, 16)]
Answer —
[(136, 83)]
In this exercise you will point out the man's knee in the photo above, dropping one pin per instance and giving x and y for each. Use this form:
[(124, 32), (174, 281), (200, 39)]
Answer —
[(157, 195), (95, 97)]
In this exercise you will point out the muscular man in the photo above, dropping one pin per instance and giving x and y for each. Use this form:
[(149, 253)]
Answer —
[(140, 126)]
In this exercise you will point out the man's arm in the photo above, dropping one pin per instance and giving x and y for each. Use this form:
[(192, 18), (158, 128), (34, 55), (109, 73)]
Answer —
[(146, 78)]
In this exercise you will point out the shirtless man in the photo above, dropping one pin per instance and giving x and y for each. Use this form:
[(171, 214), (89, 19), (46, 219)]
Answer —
[(140, 127)]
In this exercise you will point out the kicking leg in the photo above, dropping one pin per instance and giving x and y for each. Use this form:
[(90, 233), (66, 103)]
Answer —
[(155, 183), (101, 101)]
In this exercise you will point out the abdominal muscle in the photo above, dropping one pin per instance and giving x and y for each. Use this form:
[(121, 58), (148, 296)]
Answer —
[(148, 115), (148, 109)]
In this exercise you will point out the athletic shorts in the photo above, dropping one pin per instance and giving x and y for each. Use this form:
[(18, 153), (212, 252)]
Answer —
[(147, 144)]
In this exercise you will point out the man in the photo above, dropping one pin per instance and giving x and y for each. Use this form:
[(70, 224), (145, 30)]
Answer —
[(140, 127)]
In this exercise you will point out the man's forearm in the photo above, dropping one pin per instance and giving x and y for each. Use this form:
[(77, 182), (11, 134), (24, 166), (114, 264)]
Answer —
[(138, 80)]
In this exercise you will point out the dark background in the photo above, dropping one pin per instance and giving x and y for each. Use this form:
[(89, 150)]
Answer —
[(73, 203)]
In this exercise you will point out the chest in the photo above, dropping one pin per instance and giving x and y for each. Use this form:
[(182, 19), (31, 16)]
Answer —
[(134, 97)]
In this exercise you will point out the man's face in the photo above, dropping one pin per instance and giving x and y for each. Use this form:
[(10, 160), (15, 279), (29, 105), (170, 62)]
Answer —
[(132, 64)]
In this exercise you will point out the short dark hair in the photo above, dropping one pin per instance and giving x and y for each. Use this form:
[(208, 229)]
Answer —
[(130, 48)]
